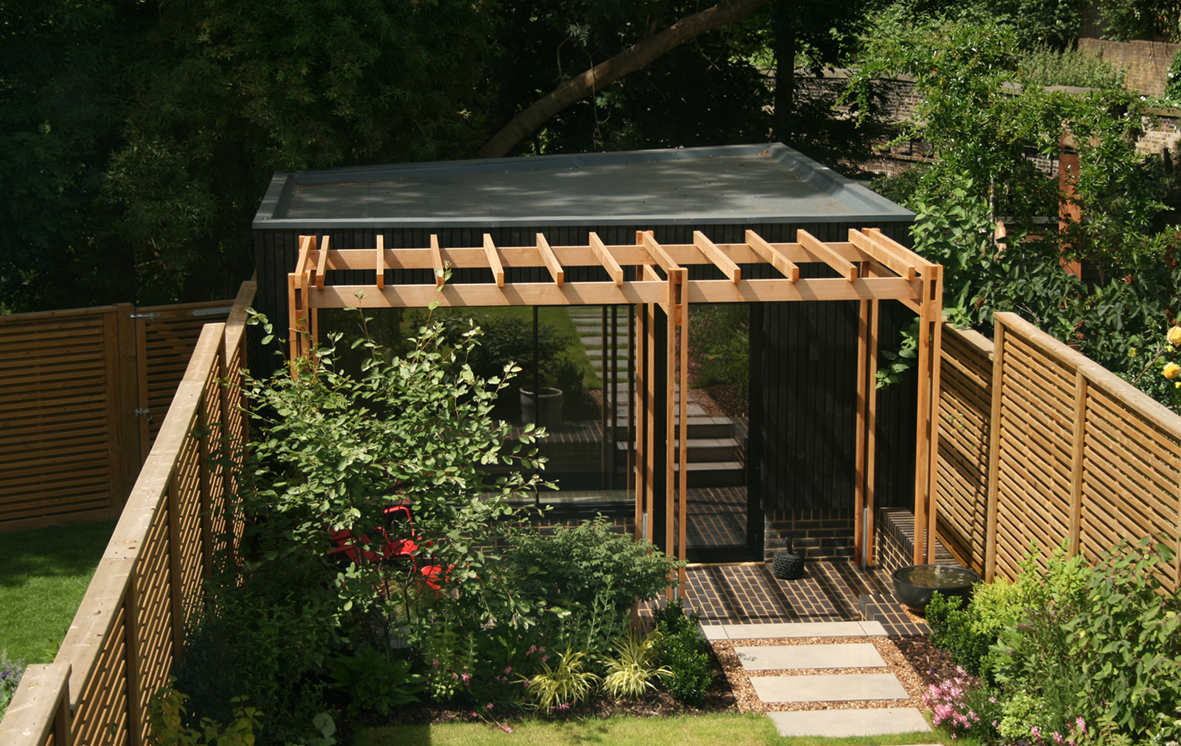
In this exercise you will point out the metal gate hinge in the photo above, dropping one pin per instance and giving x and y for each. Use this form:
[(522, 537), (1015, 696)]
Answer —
[(143, 412), (151, 316)]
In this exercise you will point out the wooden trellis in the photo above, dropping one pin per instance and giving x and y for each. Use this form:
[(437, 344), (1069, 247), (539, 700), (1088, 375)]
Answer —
[(651, 276)]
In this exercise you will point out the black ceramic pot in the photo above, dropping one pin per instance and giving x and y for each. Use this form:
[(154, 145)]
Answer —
[(788, 564), (914, 584)]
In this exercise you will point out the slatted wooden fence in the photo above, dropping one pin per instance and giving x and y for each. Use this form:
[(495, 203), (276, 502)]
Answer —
[(1043, 444), (1078, 454), (965, 406), (82, 394), (120, 647)]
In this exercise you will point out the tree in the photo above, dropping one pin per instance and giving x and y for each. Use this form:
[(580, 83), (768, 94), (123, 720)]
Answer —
[(639, 54), (982, 133), (230, 92), (63, 96)]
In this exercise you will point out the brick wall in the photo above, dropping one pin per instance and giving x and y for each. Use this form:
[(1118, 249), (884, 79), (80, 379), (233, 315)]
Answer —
[(822, 534), (893, 541), (1145, 63)]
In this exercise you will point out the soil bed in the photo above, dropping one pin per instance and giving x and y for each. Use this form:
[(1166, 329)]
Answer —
[(918, 664)]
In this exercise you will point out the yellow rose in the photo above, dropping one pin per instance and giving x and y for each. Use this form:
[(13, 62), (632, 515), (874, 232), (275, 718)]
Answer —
[(1171, 371), (1175, 336)]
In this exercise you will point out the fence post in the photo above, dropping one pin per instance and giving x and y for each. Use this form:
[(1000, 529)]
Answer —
[(994, 447), (128, 400), (176, 584), (135, 715), (1081, 391)]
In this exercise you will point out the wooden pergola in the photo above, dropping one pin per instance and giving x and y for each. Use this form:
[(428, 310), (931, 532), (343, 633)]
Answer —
[(654, 279)]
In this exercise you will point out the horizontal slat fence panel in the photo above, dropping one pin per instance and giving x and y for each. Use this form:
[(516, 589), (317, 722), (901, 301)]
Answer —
[(167, 336), (59, 446), (964, 405), (71, 384), (121, 644), (1077, 455)]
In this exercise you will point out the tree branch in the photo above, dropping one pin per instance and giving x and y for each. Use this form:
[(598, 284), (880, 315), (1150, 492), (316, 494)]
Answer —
[(635, 57)]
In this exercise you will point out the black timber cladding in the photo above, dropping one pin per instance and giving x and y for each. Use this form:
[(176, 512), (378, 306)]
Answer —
[(803, 431)]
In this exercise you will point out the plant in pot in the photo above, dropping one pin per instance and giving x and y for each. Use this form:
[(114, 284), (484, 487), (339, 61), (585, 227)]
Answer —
[(509, 340)]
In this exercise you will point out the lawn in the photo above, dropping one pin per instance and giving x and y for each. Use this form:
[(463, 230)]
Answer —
[(699, 730), (43, 575)]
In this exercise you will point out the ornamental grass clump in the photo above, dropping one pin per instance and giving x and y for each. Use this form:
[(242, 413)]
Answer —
[(634, 670)]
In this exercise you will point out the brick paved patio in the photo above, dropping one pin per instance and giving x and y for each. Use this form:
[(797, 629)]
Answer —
[(747, 593)]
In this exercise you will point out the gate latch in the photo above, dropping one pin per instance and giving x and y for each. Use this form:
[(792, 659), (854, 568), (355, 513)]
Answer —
[(144, 412)]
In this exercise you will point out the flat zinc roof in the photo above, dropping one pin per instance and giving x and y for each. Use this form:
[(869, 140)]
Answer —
[(736, 184)]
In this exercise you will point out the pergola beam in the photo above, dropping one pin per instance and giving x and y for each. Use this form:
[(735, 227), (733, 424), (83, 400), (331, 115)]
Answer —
[(551, 261), (603, 256), (773, 256), (715, 255), (840, 264), (494, 261)]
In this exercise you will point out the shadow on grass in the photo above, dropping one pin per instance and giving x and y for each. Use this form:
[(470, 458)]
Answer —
[(53, 551)]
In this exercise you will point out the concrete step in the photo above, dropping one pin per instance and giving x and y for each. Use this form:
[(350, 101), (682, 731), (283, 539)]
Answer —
[(850, 687), (793, 657), (773, 630), (850, 723), (703, 449), (698, 427), (715, 473)]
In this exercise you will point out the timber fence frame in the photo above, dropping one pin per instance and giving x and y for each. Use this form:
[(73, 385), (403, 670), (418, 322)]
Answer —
[(1074, 453), (130, 624), (83, 393)]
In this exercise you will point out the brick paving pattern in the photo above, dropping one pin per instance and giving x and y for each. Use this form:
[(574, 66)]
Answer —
[(829, 592)]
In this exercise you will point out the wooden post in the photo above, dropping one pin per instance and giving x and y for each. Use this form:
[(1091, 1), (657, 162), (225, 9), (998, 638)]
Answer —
[(205, 481), (871, 428), (604, 461), (682, 323), (859, 467), (994, 448), (935, 316), (135, 716), (1076, 461), (176, 581), (144, 412), (922, 427), (129, 423), (670, 438)]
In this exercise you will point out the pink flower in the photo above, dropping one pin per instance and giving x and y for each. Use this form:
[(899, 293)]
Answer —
[(1037, 732), (1081, 725), (506, 729), (467, 678), (488, 706)]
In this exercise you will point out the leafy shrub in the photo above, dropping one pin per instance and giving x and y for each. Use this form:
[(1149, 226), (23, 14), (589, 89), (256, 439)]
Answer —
[(375, 682), (1047, 67), (10, 678), (634, 669), (961, 706), (167, 722), (1126, 638), (507, 340), (969, 633), (575, 566), (682, 650)]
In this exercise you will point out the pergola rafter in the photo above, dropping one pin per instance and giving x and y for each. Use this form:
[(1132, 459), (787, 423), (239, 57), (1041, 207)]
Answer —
[(649, 275)]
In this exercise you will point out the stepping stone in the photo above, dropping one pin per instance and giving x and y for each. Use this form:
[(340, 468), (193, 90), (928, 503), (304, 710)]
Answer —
[(850, 655), (850, 723), (792, 629), (852, 687)]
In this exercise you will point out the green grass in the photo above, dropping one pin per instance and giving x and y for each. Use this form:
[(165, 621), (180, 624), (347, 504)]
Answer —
[(699, 730), (44, 573)]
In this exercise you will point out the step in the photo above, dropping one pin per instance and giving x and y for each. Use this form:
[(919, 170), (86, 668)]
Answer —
[(849, 687), (703, 449), (695, 410), (850, 723), (793, 657), (698, 427), (715, 473), (775, 630)]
